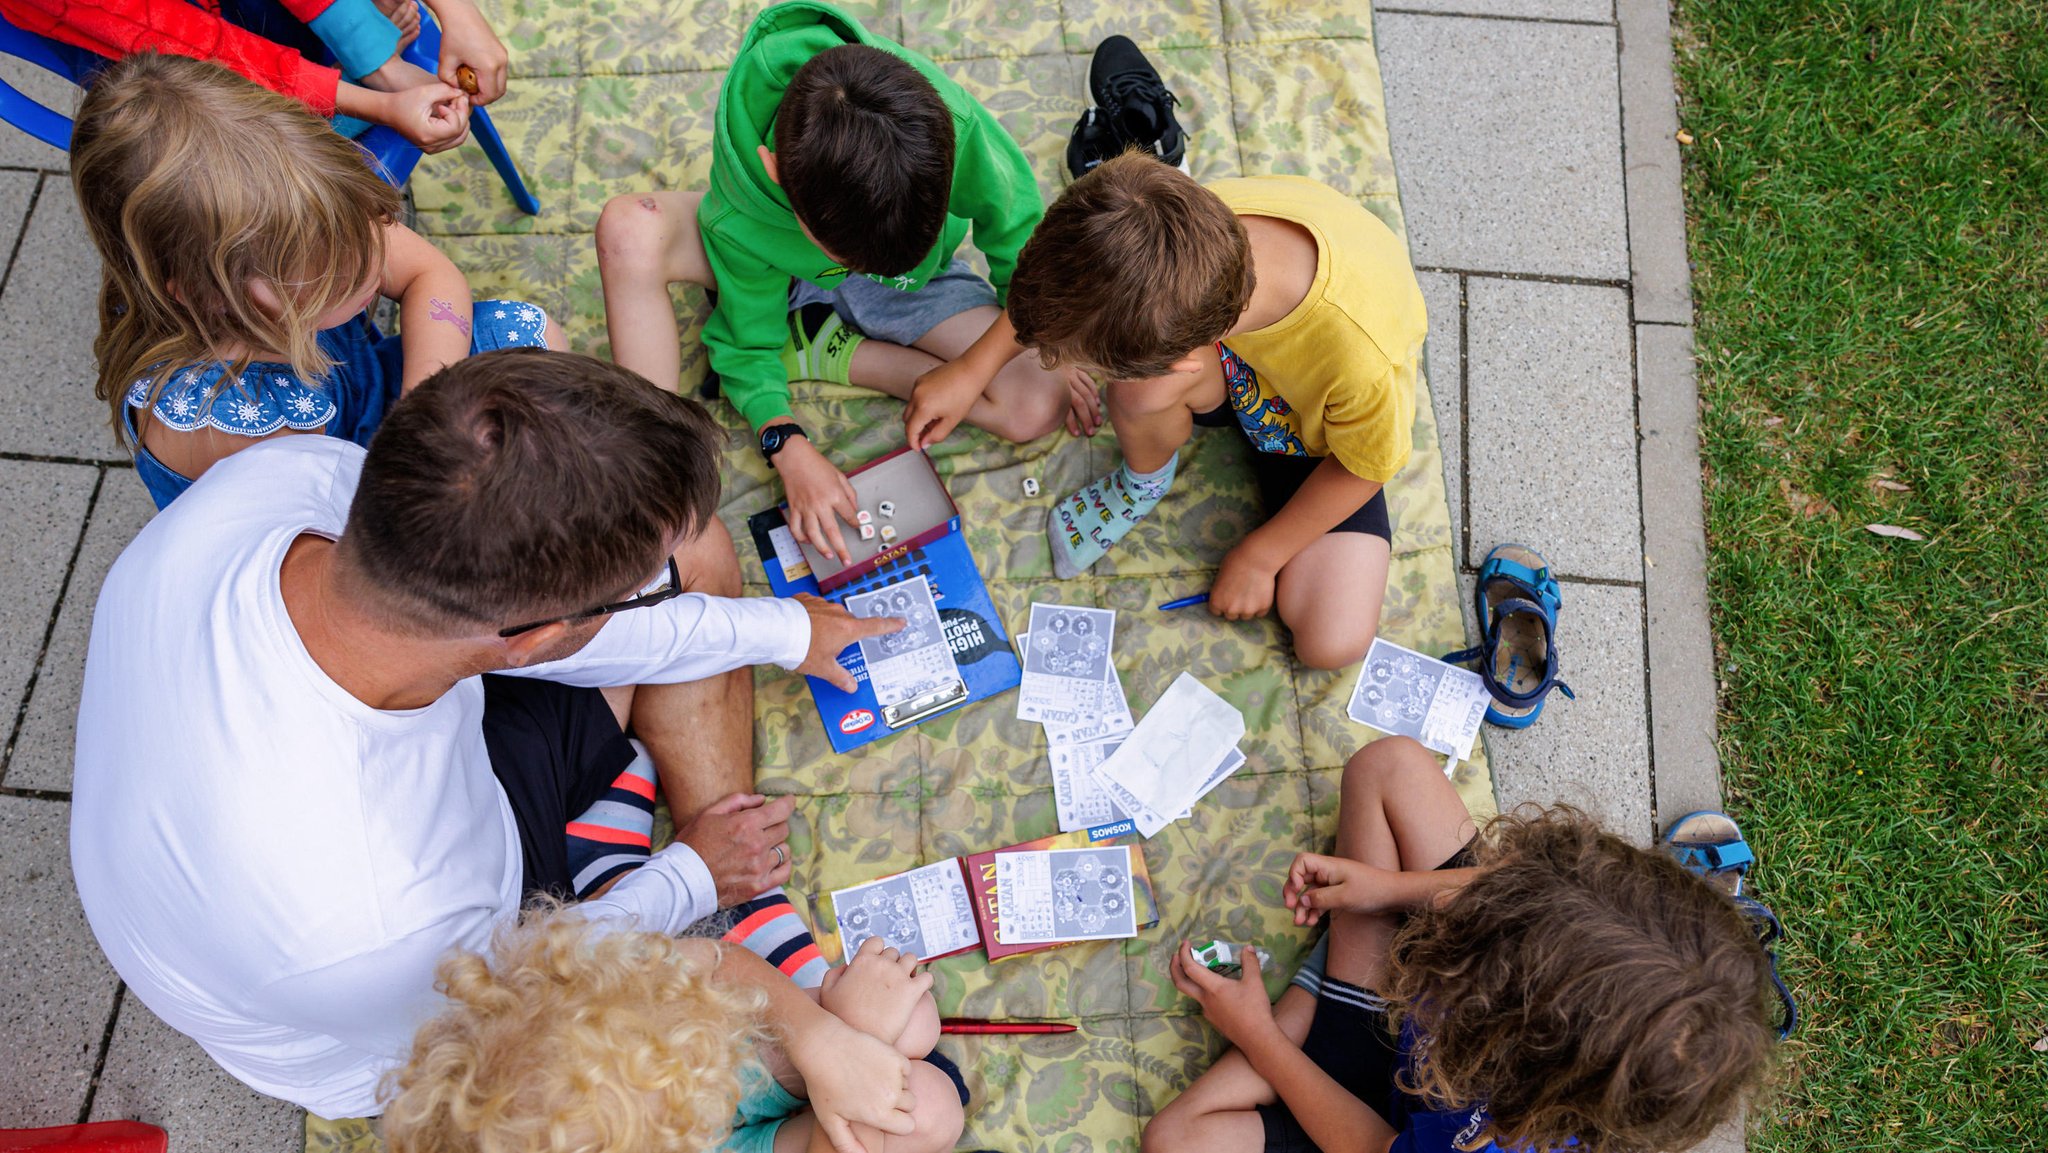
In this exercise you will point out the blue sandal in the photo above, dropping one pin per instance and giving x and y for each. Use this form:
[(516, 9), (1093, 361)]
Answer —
[(1516, 603), (1768, 933), (1710, 843)]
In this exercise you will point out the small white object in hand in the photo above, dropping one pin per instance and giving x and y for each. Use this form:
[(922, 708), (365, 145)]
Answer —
[(1030, 486), (867, 532), (886, 508), (863, 517)]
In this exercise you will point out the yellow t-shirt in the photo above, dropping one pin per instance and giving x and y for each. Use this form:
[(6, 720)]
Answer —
[(1337, 375)]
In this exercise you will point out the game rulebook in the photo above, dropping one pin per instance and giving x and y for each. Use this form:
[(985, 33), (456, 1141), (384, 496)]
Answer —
[(911, 562), (950, 906)]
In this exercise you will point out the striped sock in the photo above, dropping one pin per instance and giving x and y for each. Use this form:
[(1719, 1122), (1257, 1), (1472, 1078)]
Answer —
[(769, 927), (615, 835)]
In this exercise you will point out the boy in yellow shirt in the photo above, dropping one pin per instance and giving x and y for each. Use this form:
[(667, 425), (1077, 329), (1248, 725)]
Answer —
[(1276, 304)]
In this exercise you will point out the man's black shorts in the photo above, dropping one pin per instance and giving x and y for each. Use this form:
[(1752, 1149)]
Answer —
[(555, 749)]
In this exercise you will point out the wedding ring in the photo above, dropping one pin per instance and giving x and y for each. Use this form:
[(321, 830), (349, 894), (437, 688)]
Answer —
[(780, 856)]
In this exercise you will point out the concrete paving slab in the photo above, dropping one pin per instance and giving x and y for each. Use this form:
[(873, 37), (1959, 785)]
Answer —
[(1649, 135), (158, 1075), (47, 321), (56, 990), (1683, 689), (1444, 360), (47, 504), (17, 193), (17, 148), (43, 748), (1508, 144), (1593, 752), (1552, 425), (1582, 11)]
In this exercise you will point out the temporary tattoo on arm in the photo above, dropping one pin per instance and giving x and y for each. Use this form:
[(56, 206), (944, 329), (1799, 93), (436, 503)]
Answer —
[(439, 309)]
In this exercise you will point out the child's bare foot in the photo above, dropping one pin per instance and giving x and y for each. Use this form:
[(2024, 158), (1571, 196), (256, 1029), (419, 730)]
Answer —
[(406, 15), (398, 75)]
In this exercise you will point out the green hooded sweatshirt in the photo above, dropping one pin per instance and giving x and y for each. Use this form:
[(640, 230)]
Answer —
[(751, 235)]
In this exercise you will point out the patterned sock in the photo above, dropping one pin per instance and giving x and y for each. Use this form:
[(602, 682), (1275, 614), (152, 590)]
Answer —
[(1083, 526), (769, 928), (615, 835), (820, 345)]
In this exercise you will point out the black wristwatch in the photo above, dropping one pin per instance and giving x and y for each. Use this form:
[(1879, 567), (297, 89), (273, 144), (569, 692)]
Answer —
[(776, 435)]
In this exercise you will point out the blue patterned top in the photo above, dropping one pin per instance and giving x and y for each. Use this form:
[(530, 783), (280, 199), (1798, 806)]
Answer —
[(267, 398)]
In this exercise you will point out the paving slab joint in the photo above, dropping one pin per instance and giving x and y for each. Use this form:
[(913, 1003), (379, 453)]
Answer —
[(1683, 691), (1652, 176)]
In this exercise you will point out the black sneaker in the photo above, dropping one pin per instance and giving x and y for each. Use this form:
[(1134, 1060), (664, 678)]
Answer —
[(1132, 109)]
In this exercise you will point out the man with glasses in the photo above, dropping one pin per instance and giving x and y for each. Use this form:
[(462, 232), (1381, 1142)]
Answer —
[(338, 708)]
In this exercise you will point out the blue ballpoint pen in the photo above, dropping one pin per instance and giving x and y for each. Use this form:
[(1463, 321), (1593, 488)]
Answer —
[(1185, 602)]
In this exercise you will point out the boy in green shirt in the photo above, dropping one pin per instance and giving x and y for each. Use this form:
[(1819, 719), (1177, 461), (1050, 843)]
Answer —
[(845, 171)]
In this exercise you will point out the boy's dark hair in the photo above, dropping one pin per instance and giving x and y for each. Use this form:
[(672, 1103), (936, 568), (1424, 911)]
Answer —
[(1582, 988), (864, 151), (523, 485), (1133, 267)]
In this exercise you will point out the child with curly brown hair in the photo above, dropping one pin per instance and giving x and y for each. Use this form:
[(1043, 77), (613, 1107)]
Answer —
[(572, 1035), (1532, 985)]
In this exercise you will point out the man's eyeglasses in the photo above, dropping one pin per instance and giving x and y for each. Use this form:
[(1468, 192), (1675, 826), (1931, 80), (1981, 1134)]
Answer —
[(668, 588)]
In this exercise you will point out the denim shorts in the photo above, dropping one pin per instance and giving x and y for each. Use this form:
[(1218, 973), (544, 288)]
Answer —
[(892, 315)]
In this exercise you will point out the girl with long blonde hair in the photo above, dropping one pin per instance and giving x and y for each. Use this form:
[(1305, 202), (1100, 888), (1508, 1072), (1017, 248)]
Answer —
[(242, 242)]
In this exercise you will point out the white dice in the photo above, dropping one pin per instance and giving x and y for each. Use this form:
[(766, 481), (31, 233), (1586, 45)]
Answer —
[(863, 517), (1030, 486), (888, 533), (887, 508), (867, 532)]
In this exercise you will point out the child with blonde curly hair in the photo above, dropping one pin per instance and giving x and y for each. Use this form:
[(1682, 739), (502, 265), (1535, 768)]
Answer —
[(242, 242), (574, 1035), (1532, 986)]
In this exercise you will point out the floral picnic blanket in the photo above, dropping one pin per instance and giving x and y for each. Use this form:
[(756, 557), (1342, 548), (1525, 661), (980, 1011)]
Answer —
[(614, 96)]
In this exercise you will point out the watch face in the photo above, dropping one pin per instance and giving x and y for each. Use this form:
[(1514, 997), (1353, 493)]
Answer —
[(776, 435)]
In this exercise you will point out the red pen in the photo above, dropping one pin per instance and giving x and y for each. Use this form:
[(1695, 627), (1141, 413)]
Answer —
[(971, 1025)]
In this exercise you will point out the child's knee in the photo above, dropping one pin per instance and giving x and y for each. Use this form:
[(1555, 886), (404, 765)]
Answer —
[(1330, 645), (1169, 1130), (1036, 417), (1375, 767), (1138, 399), (939, 1116), (1033, 401), (554, 337), (630, 235), (922, 1032)]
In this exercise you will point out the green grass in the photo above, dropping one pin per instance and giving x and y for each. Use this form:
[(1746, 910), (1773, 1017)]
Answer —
[(1868, 202)]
